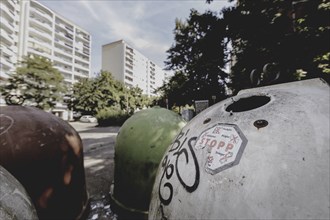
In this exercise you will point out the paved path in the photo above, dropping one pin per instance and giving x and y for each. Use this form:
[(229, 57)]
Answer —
[(99, 165)]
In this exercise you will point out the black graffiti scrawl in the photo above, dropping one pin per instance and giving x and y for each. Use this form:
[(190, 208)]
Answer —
[(181, 149)]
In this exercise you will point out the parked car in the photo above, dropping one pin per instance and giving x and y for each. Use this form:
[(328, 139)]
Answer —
[(76, 116), (88, 118)]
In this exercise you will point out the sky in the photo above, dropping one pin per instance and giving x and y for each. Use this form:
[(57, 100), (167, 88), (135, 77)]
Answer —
[(146, 25)]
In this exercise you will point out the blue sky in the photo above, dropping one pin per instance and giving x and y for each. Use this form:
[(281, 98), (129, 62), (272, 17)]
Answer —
[(147, 25)]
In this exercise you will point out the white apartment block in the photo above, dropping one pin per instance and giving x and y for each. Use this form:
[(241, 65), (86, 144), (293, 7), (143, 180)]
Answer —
[(9, 19), (29, 28), (129, 66)]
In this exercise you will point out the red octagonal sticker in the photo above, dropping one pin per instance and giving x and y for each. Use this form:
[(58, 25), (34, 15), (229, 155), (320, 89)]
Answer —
[(225, 145)]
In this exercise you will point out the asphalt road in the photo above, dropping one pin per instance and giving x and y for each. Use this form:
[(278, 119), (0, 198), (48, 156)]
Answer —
[(99, 166)]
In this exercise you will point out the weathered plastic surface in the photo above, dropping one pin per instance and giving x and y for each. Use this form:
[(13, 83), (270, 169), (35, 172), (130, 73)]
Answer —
[(45, 154), (263, 154), (139, 147), (15, 203)]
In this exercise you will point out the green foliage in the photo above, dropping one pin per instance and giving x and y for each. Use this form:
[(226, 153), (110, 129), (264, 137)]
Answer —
[(265, 31), (36, 81), (91, 96), (113, 115), (197, 57), (292, 36)]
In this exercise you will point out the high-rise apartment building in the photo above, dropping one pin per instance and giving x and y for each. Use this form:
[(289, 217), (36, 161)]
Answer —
[(29, 28), (131, 67), (9, 19)]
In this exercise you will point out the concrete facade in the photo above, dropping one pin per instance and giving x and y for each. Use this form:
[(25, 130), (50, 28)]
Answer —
[(131, 67), (29, 28)]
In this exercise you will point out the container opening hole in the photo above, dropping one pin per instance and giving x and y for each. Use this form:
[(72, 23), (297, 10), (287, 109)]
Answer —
[(246, 104)]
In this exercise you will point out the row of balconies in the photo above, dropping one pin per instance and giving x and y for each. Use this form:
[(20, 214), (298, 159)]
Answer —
[(81, 64), (6, 63), (81, 71), (5, 8), (42, 21), (44, 15), (128, 84), (82, 56), (40, 48), (5, 37), (130, 79), (84, 44), (129, 50), (82, 34), (63, 35), (63, 68), (63, 49), (129, 72), (62, 58), (40, 33), (63, 64), (129, 66), (129, 60), (7, 25), (66, 46), (41, 27), (6, 50), (64, 27), (40, 43)]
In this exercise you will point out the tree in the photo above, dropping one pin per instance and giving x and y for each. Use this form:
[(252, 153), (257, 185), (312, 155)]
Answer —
[(271, 41), (198, 58), (291, 36), (90, 96), (35, 81)]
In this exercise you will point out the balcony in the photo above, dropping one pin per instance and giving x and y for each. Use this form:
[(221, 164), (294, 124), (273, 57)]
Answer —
[(41, 13), (70, 29), (65, 35), (64, 28), (6, 63), (59, 56), (5, 37), (78, 78), (6, 50), (81, 55), (41, 23), (86, 45), (67, 76), (5, 24), (81, 38), (66, 46), (81, 71), (11, 3), (40, 43), (86, 52), (37, 52), (82, 61), (40, 34), (4, 8), (129, 66), (64, 70), (82, 65)]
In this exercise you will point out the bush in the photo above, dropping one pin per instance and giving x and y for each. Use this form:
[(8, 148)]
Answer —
[(112, 116)]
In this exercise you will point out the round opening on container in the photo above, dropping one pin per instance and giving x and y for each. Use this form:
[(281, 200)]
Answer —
[(206, 121), (249, 103)]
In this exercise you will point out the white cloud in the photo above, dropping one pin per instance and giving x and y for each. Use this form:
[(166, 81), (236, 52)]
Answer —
[(146, 25)]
